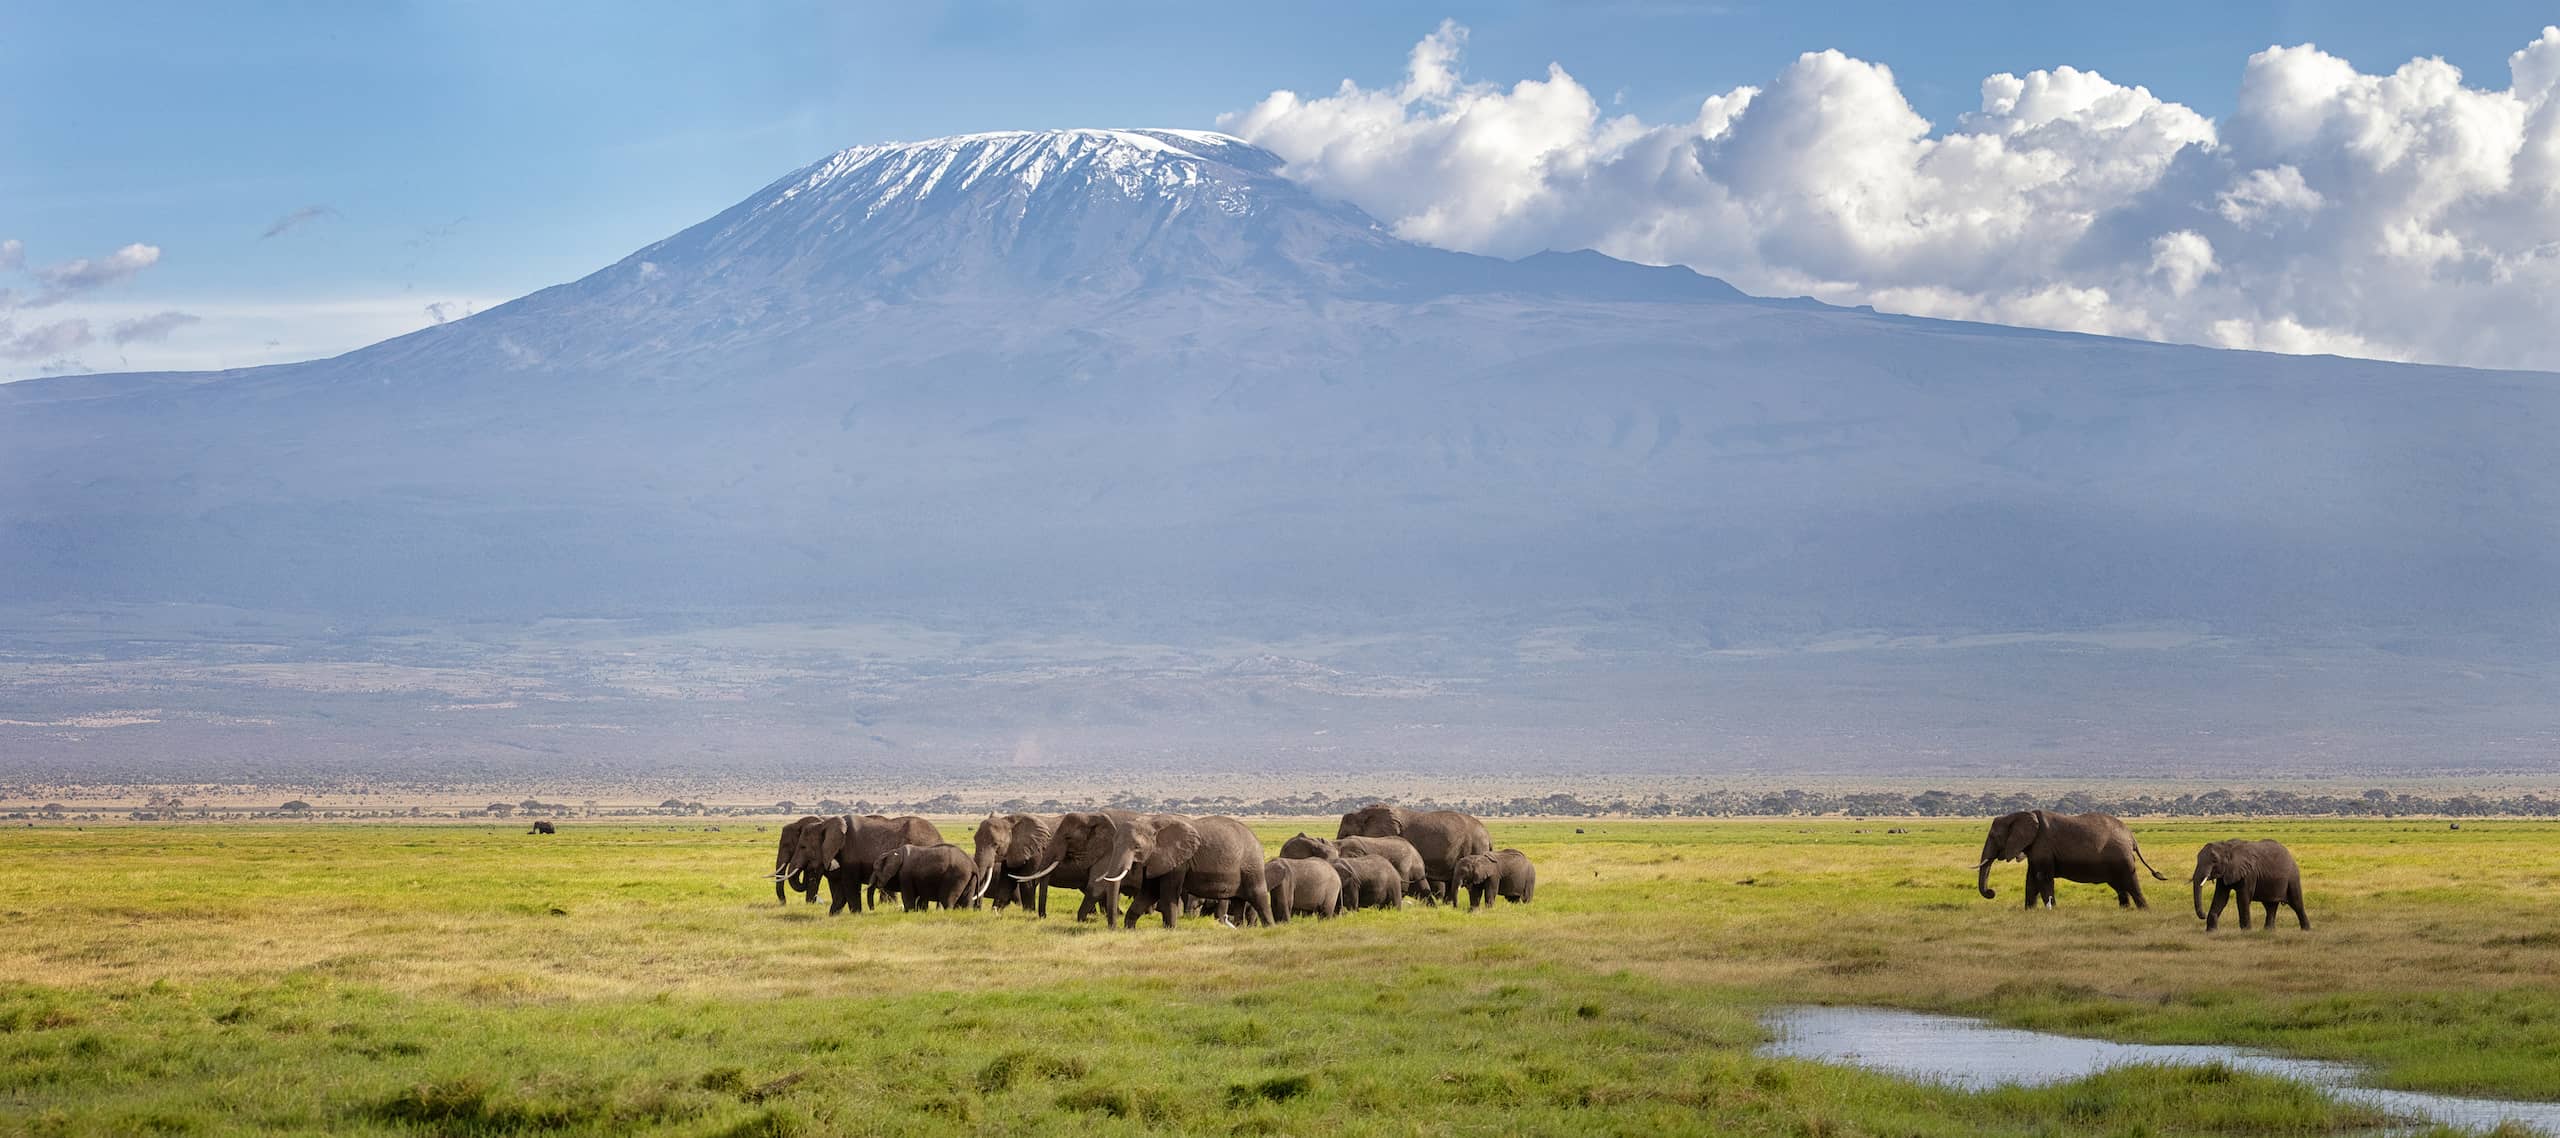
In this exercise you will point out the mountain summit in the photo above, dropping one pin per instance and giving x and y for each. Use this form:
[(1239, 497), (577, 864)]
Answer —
[(1139, 384)]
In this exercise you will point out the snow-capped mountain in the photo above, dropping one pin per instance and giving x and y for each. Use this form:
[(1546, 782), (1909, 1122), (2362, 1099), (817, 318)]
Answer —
[(1143, 368)]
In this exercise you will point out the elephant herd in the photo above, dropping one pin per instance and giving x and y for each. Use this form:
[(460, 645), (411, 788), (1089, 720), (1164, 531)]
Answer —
[(2098, 849), (1169, 864)]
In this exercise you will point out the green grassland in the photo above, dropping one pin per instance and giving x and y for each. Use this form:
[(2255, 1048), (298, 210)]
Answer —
[(641, 979)]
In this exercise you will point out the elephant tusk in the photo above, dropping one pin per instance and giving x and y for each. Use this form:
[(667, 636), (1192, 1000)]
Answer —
[(1115, 878), (990, 879), (1035, 876), (1986, 861)]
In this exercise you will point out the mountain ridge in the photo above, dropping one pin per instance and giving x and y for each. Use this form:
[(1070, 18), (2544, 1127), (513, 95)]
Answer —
[(1098, 404)]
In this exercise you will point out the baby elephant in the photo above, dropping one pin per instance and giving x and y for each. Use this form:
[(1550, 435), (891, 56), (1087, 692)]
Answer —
[(1301, 886), (2259, 872), (1503, 873), (922, 876)]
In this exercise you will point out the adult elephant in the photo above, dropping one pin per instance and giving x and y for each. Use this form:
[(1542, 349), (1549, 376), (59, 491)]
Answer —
[(1089, 851), (849, 845), (1173, 856), (2095, 849), (1440, 836), (1010, 847), (2257, 872), (789, 858)]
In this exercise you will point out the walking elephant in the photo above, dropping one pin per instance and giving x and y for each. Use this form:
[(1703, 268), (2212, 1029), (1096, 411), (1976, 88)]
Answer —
[(1009, 846), (1216, 859), (2095, 849), (1302, 885), (789, 858), (1087, 851), (924, 876), (1503, 873), (2257, 872), (1397, 851), (1369, 882), (843, 849), (1440, 836)]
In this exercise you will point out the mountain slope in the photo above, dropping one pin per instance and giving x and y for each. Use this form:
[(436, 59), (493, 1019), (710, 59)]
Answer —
[(1137, 384)]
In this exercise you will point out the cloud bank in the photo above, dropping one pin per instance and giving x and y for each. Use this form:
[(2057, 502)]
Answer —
[(53, 341), (2401, 216)]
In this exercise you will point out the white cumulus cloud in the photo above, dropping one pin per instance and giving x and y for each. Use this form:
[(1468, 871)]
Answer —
[(2413, 215)]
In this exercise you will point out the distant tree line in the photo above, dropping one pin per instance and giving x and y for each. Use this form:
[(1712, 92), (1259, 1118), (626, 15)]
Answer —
[(1710, 804)]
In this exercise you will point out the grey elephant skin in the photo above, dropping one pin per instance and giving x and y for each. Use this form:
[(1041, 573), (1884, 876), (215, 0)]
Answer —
[(2093, 848), (1440, 836), (1091, 851), (1008, 848), (1504, 873), (787, 858), (1369, 882), (1397, 851), (1302, 886), (1216, 859), (842, 850), (924, 876), (2259, 872)]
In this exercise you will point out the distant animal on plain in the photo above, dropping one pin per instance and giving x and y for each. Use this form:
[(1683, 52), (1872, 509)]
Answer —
[(1503, 873), (2092, 848), (543, 826), (2257, 872)]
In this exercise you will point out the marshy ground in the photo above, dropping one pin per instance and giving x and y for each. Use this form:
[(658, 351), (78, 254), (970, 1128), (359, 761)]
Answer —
[(444, 979)]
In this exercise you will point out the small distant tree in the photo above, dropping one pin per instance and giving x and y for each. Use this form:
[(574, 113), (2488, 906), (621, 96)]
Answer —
[(501, 809), (786, 806), (672, 804), (296, 806)]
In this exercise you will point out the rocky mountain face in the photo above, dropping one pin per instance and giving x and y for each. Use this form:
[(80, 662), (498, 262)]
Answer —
[(1137, 386)]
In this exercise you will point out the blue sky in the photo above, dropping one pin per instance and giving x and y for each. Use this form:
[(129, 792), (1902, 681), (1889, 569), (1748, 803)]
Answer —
[(467, 152)]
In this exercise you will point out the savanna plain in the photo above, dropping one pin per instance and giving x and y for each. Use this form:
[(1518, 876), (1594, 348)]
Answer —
[(640, 978)]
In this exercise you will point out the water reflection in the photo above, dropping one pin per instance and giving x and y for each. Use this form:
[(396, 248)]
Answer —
[(1971, 1054)]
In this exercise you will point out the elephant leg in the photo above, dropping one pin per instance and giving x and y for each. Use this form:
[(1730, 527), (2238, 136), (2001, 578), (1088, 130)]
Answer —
[(2247, 895), (1044, 899), (2213, 916), (2293, 899), (2133, 885), (2269, 918)]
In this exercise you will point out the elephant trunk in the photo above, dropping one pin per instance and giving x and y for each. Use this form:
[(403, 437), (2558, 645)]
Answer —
[(1982, 879), (2197, 888)]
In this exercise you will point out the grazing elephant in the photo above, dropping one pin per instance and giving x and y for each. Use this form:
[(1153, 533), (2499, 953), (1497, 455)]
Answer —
[(789, 858), (848, 845), (2092, 848), (1440, 836), (1369, 882), (1216, 859), (2258, 873), (1503, 873), (1302, 885), (924, 876), (1087, 851), (1008, 845), (543, 826)]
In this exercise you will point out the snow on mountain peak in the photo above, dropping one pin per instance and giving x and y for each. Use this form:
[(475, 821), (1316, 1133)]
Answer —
[(1134, 162)]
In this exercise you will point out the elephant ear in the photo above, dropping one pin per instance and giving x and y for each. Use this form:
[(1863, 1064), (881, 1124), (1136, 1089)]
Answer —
[(1176, 841), (1031, 836), (834, 835)]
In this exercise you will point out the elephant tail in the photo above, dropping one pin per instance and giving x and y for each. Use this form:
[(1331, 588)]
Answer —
[(2156, 875)]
